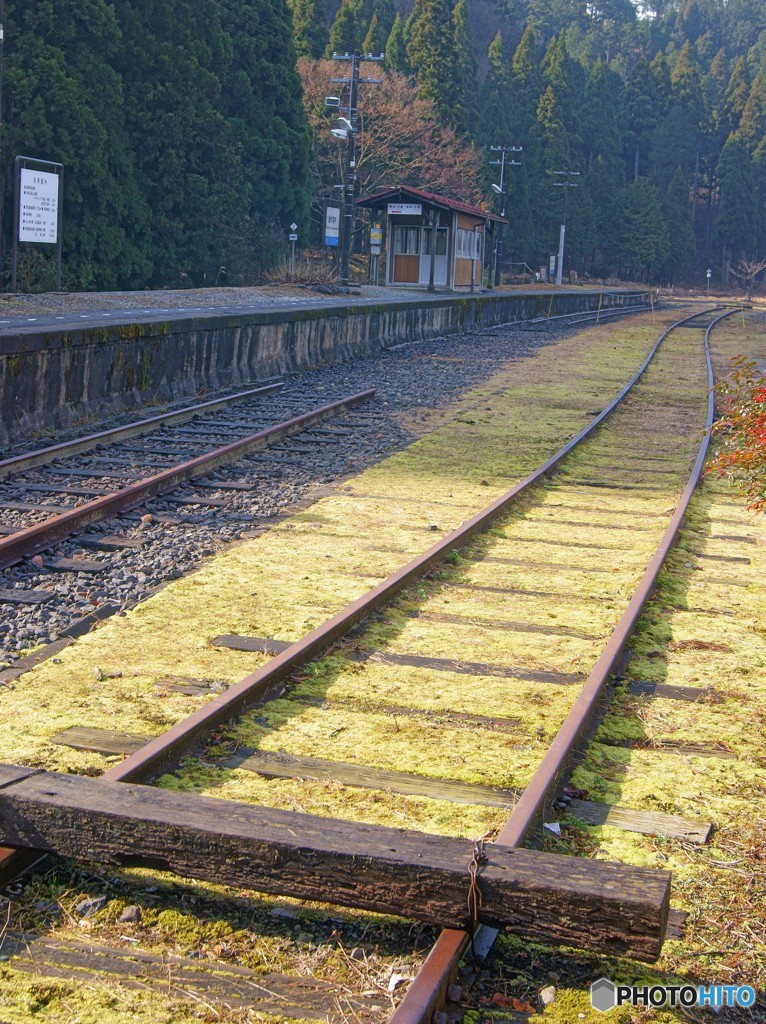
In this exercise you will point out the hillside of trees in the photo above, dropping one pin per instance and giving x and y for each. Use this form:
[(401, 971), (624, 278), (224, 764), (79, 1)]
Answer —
[(193, 132), (180, 127), (660, 109)]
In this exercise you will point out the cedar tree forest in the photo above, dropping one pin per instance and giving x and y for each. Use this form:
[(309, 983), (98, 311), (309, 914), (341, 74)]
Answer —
[(193, 132)]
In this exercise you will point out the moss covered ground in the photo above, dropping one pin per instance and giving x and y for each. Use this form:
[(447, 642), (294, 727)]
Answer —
[(293, 577), (703, 628)]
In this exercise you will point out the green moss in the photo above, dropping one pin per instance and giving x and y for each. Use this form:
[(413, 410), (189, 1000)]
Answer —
[(145, 370)]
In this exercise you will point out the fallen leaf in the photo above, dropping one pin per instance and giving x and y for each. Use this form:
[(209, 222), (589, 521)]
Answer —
[(509, 1003)]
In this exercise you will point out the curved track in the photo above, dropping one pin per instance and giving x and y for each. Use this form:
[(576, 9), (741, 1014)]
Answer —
[(285, 659)]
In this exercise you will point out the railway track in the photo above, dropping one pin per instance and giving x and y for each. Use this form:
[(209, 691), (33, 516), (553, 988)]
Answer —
[(512, 617), (121, 476), (113, 564)]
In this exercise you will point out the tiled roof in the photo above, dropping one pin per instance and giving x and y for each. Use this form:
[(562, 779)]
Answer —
[(431, 197)]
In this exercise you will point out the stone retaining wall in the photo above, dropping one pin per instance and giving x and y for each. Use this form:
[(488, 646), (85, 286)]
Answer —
[(52, 379)]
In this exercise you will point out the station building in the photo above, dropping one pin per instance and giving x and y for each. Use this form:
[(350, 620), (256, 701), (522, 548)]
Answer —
[(419, 224)]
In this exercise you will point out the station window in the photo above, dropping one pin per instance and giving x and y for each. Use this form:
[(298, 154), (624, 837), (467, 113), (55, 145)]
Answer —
[(406, 241), (468, 244), (441, 242)]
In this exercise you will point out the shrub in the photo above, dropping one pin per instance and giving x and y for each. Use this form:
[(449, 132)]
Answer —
[(741, 430)]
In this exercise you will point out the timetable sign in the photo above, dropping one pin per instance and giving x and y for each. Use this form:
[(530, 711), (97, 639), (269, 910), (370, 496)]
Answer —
[(38, 206)]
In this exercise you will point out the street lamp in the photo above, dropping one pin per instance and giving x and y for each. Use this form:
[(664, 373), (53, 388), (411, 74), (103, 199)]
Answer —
[(498, 190), (347, 130)]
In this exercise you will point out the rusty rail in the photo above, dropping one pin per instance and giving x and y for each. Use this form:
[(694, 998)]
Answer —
[(42, 535), (43, 456), (157, 753), (427, 989)]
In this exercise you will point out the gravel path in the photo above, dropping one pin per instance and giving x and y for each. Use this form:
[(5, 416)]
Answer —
[(267, 295)]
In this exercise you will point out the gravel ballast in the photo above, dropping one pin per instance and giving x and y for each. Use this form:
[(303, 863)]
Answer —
[(410, 380)]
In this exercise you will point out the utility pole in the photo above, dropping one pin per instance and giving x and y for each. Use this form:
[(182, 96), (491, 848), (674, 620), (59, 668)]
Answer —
[(566, 184), (348, 130), (497, 248), (2, 43), (2, 153)]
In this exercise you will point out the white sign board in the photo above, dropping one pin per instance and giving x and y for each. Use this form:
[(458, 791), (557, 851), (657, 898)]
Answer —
[(412, 209), (332, 225), (38, 206)]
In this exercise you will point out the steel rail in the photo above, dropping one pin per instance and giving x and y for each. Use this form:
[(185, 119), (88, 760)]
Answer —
[(159, 752), (427, 989), (564, 316), (30, 460), (588, 314), (156, 754), (42, 535)]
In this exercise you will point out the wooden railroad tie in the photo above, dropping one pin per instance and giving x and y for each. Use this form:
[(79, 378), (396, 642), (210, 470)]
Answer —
[(546, 897)]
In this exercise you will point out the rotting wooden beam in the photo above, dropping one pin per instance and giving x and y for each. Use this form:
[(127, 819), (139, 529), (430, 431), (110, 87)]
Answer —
[(545, 897)]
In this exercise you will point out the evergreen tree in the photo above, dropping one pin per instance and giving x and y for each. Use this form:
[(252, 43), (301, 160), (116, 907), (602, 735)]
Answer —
[(599, 121), (431, 53), (347, 29), (465, 98), (496, 97), (549, 18), (644, 238), (603, 164), (678, 221), (527, 84), (736, 227), (677, 137), (375, 40), (561, 74), (386, 13), (261, 106), (606, 203), (550, 144), (752, 124), (735, 97), (183, 150), (396, 49), (67, 104), (640, 114), (309, 28)]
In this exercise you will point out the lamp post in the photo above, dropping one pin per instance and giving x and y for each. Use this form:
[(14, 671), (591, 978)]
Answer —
[(566, 184), (497, 248), (347, 130)]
